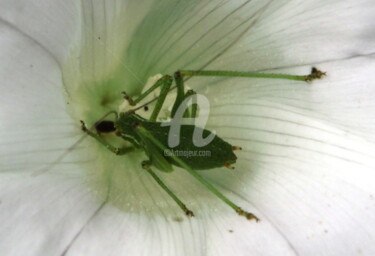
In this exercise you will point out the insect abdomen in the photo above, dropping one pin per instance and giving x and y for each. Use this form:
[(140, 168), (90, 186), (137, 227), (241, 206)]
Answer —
[(215, 154)]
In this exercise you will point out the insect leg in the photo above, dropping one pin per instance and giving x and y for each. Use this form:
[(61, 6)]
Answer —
[(146, 166), (128, 98), (315, 74), (180, 92), (195, 174), (117, 151), (181, 96), (165, 82), (226, 200), (192, 110), (160, 83)]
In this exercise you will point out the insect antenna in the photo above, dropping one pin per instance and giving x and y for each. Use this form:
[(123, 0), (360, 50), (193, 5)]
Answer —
[(74, 145)]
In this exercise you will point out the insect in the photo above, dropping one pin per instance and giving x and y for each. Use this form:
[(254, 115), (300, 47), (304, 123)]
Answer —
[(153, 137)]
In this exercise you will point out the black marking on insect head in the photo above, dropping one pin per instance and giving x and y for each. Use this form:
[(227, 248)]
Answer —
[(105, 126)]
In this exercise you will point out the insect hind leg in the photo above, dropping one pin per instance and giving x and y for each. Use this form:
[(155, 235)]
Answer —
[(314, 74), (147, 166)]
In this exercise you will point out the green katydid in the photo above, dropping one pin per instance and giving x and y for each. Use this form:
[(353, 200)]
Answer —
[(152, 137)]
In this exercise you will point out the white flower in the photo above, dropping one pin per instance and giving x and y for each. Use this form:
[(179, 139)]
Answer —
[(308, 164)]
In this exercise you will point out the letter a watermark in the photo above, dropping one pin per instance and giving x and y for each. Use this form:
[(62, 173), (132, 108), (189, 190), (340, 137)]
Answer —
[(200, 122)]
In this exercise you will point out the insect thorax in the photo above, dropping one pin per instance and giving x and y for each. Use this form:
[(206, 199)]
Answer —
[(126, 125)]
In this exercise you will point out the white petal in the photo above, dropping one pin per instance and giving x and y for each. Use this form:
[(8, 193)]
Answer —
[(292, 33), (269, 199), (41, 215), (190, 34), (35, 127), (40, 211), (293, 238), (313, 181), (211, 232), (52, 24), (297, 33), (52, 212), (115, 56), (345, 97)]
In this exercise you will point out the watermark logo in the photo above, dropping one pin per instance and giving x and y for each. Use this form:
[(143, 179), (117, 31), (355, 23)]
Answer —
[(187, 153), (199, 122)]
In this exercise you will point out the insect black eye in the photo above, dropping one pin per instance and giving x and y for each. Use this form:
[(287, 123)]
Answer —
[(105, 126), (145, 108)]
